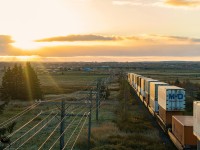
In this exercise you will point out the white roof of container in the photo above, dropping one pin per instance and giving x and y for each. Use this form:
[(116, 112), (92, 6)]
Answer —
[(185, 120), (137, 75), (159, 83), (130, 73), (170, 87), (197, 102)]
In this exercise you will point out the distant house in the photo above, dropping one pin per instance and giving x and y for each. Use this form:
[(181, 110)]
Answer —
[(87, 69)]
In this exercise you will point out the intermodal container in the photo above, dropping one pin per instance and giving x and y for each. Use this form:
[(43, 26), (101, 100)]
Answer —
[(196, 113), (136, 81), (171, 98), (147, 88), (143, 79), (166, 116), (153, 102), (182, 128), (140, 84)]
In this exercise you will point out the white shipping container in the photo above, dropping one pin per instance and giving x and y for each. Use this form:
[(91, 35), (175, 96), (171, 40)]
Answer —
[(129, 77), (136, 81), (147, 84), (143, 86), (171, 98), (132, 79), (139, 83), (154, 89), (154, 94), (196, 114), (154, 105)]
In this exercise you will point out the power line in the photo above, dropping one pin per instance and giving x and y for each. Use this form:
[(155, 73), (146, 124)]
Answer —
[(38, 131), (28, 131), (24, 125), (18, 115), (73, 132), (79, 133), (65, 129), (53, 131)]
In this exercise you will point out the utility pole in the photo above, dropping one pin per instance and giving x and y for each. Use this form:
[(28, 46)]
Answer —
[(97, 100), (90, 117), (62, 125)]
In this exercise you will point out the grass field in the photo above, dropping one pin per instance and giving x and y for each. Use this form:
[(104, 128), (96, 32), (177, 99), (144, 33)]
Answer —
[(110, 132), (67, 83), (138, 131)]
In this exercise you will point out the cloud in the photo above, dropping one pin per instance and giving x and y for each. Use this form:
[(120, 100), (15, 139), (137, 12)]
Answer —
[(5, 39), (154, 38), (73, 38), (119, 2), (183, 3), (176, 38), (5, 43)]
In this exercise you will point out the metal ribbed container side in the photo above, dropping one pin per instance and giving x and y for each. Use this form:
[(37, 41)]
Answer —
[(171, 98), (183, 130), (196, 113), (166, 116)]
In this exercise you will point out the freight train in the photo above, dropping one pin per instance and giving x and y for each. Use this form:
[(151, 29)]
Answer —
[(167, 104)]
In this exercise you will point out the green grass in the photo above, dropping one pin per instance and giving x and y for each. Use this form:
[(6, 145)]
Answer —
[(115, 131), (67, 83)]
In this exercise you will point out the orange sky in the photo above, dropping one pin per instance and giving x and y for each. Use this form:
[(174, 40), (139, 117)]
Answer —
[(100, 29)]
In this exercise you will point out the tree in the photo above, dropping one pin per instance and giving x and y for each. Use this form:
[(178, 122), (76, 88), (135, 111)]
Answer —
[(177, 82), (21, 83), (198, 95), (8, 129), (32, 83)]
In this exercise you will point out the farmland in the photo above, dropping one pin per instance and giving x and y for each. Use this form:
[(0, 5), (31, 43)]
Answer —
[(111, 131)]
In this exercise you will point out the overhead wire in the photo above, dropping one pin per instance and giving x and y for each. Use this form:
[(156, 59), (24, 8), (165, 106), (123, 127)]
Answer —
[(10, 135), (79, 132), (28, 131), (37, 131), (53, 131), (73, 132), (18, 115), (66, 129)]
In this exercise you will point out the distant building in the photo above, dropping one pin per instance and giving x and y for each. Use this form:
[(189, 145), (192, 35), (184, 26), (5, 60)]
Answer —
[(87, 69)]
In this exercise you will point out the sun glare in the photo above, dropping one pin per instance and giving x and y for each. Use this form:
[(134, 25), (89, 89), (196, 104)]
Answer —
[(26, 45), (27, 58)]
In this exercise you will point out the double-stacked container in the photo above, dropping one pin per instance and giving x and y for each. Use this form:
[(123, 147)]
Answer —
[(131, 79), (147, 89), (171, 101), (143, 87), (196, 115), (153, 102), (182, 129), (137, 83)]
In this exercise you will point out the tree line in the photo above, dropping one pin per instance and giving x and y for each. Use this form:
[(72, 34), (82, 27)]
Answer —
[(20, 83)]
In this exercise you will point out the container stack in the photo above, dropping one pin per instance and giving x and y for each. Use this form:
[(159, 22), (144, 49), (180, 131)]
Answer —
[(196, 114), (147, 90), (143, 87), (153, 102), (171, 101), (137, 81)]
